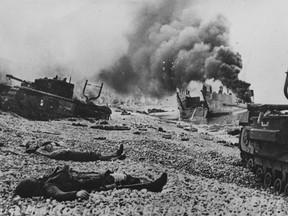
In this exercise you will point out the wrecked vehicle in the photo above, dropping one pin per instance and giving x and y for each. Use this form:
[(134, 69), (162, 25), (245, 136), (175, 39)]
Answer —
[(213, 103), (263, 143), (47, 99)]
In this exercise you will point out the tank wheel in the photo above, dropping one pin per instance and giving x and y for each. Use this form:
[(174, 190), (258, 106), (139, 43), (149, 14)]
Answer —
[(250, 165), (278, 186), (259, 174), (245, 137), (268, 180), (286, 190)]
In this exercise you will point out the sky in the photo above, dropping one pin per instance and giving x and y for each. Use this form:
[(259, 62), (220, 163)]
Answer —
[(38, 37), (259, 33)]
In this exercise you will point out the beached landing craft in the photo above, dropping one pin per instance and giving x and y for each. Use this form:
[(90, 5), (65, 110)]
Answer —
[(46, 99), (263, 143), (213, 103)]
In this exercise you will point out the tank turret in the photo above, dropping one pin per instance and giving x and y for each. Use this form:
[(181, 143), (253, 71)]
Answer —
[(263, 143)]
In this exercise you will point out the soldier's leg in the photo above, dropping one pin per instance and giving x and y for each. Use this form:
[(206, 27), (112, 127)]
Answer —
[(85, 156), (154, 186), (73, 155), (135, 183), (113, 156), (109, 181)]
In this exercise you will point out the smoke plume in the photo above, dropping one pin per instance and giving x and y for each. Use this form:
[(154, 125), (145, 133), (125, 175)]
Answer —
[(225, 66), (172, 45)]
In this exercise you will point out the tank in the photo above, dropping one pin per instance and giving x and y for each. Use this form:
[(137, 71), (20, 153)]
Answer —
[(263, 143), (47, 99)]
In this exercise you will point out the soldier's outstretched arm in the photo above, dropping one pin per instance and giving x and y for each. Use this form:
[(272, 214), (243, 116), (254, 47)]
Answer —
[(55, 193)]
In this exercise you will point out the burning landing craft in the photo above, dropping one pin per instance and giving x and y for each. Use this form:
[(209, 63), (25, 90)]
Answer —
[(213, 103), (46, 99)]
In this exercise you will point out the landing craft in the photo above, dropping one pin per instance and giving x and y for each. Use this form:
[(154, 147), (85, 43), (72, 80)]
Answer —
[(213, 103), (263, 143), (47, 99)]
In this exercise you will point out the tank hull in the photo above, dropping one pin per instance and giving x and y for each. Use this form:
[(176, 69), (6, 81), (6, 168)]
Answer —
[(263, 145)]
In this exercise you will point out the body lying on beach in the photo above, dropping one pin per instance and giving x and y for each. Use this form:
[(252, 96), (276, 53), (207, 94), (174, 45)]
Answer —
[(54, 151), (66, 184)]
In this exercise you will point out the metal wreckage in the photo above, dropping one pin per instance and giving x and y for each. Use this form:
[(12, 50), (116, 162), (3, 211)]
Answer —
[(47, 99), (264, 143)]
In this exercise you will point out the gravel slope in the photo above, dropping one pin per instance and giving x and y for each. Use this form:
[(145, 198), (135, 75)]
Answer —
[(205, 176)]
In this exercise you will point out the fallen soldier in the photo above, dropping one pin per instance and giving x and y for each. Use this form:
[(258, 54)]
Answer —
[(51, 150), (64, 184)]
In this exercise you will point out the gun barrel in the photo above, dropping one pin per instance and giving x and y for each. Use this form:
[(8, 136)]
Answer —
[(15, 78)]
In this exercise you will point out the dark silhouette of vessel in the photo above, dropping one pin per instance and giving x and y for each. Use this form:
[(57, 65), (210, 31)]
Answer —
[(212, 103)]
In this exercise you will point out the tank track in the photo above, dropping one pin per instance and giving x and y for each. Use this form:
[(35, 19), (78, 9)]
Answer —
[(270, 171)]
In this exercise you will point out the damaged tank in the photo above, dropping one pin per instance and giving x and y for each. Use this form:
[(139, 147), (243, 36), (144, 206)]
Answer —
[(47, 99), (263, 143)]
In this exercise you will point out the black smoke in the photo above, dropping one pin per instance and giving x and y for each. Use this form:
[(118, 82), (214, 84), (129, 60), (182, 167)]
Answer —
[(225, 66), (121, 76), (172, 45)]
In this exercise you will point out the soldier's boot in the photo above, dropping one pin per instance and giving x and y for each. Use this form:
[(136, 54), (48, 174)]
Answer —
[(119, 154)]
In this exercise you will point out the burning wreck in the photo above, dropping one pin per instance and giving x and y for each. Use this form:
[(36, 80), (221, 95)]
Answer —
[(47, 99), (213, 103)]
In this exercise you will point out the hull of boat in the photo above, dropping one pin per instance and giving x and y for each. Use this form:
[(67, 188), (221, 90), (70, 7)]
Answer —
[(213, 105)]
